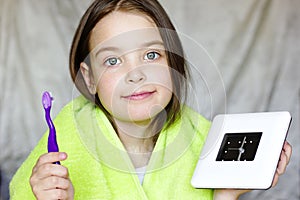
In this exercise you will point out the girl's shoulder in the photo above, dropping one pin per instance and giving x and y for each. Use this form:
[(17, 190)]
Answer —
[(194, 118), (74, 106)]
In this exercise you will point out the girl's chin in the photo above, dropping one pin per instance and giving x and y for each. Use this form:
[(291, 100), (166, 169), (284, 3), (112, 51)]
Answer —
[(145, 115)]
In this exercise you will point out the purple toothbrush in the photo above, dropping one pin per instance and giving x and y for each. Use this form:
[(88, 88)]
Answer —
[(52, 143)]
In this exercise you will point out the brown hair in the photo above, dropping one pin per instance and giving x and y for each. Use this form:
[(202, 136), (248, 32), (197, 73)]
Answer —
[(151, 8)]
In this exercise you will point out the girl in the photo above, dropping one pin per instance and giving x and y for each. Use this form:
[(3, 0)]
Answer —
[(130, 136)]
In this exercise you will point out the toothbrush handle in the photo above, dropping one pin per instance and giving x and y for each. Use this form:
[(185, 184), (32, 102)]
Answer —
[(52, 143)]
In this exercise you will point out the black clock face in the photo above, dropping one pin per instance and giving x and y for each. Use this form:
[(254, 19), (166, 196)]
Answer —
[(239, 146)]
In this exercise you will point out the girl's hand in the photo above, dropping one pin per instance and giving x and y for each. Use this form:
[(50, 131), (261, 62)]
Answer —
[(284, 160), (51, 181), (230, 194)]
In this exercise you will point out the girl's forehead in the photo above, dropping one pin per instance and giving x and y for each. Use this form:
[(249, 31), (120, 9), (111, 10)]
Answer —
[(130, 41), (124, 28)]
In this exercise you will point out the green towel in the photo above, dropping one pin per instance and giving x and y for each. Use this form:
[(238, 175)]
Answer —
[(100, 168)]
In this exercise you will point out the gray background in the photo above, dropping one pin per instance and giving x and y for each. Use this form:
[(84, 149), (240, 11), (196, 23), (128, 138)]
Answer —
[(254, 43)]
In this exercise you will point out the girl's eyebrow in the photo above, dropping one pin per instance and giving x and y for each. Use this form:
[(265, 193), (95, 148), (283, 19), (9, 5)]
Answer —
[(106, 49), (143, 45), (152, 43)]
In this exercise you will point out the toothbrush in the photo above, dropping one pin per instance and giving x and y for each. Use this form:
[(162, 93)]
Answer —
[(52, 143)]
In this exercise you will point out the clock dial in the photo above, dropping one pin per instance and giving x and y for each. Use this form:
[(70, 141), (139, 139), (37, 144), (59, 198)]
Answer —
[(239, 146)]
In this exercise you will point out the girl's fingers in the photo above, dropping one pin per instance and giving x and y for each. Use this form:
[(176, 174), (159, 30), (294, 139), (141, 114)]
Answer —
[(51, 158), (282, 164), (53, 194), (47, 170), (51, 181), (275, 180), (287, 148), (46, 160), (54, 182), (285, 157), (52, 187)]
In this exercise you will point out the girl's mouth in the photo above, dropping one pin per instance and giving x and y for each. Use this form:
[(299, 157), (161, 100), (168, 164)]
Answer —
[(139, 95)]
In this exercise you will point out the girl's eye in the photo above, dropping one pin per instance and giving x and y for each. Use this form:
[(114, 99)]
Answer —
[(112, 61), (152, 56)]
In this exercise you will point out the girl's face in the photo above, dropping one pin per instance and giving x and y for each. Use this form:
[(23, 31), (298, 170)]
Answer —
[(129, 69)]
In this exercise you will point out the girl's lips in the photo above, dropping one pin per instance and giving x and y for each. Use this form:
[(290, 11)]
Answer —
[(139, 95)]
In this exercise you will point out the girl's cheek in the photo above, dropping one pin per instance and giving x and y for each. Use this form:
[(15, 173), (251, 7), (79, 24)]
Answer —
[(162, 76), (106, 86)]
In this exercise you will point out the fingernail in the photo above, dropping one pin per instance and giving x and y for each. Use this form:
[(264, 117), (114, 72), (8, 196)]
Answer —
[(62, 155)]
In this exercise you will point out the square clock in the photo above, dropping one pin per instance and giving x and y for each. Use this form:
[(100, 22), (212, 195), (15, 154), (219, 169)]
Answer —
[(242, 151)]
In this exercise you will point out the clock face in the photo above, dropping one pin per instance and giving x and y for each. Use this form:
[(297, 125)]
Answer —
[(239, 146)]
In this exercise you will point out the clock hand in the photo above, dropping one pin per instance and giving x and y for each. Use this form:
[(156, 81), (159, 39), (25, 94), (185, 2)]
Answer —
[(244, 141), (241, 149), (233, 148)]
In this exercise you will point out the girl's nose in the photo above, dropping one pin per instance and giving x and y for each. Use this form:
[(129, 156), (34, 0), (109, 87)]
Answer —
[(135, 69), (135, 76)]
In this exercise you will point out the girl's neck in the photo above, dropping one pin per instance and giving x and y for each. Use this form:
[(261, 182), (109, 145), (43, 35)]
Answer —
[(138, 140)]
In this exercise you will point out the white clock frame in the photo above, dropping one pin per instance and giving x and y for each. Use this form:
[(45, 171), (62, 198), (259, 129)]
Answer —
[(256, 174)]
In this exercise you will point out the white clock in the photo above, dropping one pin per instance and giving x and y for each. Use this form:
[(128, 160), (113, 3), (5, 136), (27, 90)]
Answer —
[(242, 151)]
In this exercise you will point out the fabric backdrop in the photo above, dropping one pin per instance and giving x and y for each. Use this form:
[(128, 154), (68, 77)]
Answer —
[(254, 45)]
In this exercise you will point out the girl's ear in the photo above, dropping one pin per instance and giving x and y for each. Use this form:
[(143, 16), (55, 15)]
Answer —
[(88, 77)]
